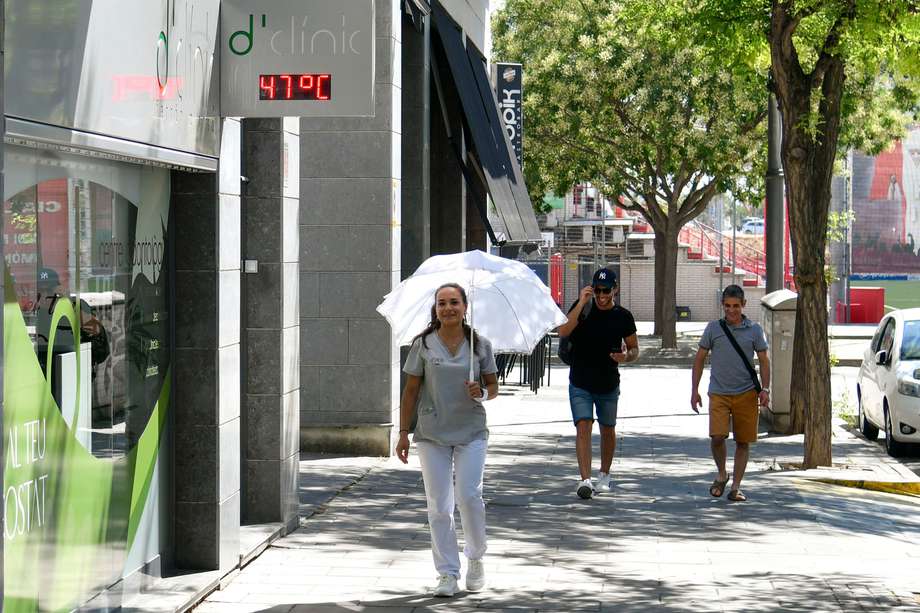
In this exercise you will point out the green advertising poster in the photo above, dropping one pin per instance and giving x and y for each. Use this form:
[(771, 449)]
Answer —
[(86, 385)]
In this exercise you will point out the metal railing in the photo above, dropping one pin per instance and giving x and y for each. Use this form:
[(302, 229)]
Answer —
[(532, 368), (703, 239)]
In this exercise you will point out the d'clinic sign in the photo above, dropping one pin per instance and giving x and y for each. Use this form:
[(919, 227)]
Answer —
[(297, 58)]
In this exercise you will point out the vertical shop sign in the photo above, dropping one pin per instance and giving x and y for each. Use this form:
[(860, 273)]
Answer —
[(509, 88)]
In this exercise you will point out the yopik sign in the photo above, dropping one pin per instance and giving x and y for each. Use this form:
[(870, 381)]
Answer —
[(290, 58)]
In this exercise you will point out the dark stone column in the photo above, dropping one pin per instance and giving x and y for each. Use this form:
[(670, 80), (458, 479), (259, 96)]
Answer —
[(207, 362), (476, 236), (448, 188), (416, 177), (271, 326)]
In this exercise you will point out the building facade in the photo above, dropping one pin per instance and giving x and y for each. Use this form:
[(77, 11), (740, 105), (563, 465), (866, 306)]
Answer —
[(189, 297)]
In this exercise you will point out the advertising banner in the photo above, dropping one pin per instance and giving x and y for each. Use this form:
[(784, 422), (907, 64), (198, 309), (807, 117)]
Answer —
[(886, 209), (509, 88), (86, 383)]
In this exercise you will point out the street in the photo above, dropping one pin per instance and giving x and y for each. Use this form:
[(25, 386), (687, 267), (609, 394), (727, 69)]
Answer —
[(657, 542)]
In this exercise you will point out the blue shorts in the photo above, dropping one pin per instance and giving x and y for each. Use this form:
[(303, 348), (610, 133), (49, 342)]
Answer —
[(583, 403)]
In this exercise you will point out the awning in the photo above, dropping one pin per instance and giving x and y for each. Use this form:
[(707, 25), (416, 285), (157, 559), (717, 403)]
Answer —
[(493, 156), (417, 10)]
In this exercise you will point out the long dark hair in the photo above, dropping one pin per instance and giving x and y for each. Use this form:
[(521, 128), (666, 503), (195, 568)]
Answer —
[(434, 324)]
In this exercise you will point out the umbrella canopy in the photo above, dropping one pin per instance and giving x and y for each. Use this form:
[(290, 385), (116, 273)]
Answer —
[(509, 304)]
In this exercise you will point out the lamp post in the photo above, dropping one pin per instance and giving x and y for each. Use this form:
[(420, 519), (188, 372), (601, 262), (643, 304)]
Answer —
[(774, 223)]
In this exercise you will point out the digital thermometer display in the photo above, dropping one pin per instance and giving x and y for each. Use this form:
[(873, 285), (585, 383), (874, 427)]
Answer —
[(295, 87)]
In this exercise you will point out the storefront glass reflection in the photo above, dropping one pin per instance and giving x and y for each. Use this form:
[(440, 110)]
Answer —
[(76, 240), (86, 381)]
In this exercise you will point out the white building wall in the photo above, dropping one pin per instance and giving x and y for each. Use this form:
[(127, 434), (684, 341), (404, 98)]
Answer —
[(697, 287), (472, 15)]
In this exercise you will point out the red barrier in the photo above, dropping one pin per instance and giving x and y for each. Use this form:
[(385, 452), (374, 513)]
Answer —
[(867, 306), (555, 277)]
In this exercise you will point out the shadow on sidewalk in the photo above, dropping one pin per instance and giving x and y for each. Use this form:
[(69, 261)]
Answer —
[(769, 592)]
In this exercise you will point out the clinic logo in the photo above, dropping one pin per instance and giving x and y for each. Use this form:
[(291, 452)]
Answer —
[(247, 36), (298, 39)]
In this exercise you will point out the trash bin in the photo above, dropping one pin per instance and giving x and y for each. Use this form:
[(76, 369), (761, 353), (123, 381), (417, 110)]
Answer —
[(779, 327), (683, 313)]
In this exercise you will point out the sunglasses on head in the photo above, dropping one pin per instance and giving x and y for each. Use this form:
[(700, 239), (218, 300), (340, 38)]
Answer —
[(603, 290)]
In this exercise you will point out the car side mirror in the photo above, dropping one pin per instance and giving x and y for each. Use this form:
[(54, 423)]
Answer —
[(881, 358)]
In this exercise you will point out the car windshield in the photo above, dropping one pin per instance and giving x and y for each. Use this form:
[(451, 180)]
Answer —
[(910, 342)]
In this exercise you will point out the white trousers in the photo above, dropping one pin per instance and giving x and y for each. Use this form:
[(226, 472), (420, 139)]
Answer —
[(453, 475)]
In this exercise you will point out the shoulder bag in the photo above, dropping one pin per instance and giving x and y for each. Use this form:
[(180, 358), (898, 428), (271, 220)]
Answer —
[(744, 358), (565, 342)]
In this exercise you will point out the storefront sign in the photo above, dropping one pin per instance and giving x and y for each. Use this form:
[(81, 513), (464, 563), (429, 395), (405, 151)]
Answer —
[(297, 58), (142, 71), (509, 79)]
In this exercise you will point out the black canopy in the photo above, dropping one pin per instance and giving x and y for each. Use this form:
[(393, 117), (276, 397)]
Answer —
[(494, 155)]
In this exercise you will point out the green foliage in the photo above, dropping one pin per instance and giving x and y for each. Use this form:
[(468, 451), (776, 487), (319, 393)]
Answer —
[(837, 223), (624, 94), (878, 41)]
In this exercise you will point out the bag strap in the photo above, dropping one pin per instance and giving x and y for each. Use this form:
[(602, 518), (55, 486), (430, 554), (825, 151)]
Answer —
[(744, 358)]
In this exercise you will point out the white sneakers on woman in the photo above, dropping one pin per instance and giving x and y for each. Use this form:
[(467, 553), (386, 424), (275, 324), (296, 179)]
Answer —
[(475, 576), (447, 586), (475, 581)]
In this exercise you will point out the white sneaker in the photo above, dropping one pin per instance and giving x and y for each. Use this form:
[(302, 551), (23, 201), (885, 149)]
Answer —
[(447, 586), (604, 484), (585, 489), (475, 576)]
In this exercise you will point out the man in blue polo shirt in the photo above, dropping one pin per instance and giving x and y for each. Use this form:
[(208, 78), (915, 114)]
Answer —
[(733, 393)]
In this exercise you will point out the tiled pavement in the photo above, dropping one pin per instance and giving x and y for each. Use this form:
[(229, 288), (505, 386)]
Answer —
[(659, 542)]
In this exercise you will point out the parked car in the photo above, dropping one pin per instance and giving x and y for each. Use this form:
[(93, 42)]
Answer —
[(888, 384), (752, 226)]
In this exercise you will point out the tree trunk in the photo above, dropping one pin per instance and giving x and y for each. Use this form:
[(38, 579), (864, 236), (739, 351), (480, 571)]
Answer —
[(666, 288), (660, 244), (809, 198), (808, 160)]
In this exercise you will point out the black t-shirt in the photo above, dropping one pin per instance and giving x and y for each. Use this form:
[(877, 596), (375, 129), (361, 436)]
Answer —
[(593, 340)]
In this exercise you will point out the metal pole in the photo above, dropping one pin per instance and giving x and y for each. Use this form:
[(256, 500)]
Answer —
[(603, 230), (734, 239), (773, 224), (847, 246)]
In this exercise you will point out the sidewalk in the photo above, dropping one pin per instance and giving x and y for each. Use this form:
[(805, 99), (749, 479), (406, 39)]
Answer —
[(658, 542)]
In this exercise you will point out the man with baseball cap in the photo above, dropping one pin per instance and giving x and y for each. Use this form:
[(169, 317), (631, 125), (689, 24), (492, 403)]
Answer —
[(602, 336)]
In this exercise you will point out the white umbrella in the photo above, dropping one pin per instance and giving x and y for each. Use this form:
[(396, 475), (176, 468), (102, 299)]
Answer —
[(512, 307)]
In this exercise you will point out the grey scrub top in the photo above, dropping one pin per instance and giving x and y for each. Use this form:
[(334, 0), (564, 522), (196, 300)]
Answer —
[(446, 413)]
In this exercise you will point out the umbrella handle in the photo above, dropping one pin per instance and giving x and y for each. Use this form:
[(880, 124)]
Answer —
[(472, 330)]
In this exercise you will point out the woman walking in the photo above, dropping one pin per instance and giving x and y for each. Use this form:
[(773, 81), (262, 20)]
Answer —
[(451, 433)]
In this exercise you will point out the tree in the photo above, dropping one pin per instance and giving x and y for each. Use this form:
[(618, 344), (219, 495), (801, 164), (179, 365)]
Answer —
[(622, 94), (844, 72)]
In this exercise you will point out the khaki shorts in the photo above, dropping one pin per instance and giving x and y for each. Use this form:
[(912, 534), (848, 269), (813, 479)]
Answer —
[(744, 413)]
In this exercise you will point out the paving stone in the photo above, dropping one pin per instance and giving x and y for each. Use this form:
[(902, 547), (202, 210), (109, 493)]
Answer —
[(658, 542)]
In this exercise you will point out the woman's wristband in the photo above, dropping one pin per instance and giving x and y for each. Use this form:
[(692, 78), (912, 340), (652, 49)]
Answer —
[(404, 430)]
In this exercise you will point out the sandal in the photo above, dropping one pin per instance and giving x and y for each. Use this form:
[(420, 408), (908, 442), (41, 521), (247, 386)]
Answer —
[(737, 496), (718, 487)]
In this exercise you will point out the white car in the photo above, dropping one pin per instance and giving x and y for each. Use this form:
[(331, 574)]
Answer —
[(888, 384), (752, 226)]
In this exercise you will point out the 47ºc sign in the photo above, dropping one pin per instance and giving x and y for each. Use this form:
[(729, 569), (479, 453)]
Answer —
[(297, 58)]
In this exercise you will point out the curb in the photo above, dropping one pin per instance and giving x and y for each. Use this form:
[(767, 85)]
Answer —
[(889, 487)]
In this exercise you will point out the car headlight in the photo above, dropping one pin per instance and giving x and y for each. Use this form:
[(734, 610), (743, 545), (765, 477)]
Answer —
[(909, 387)]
